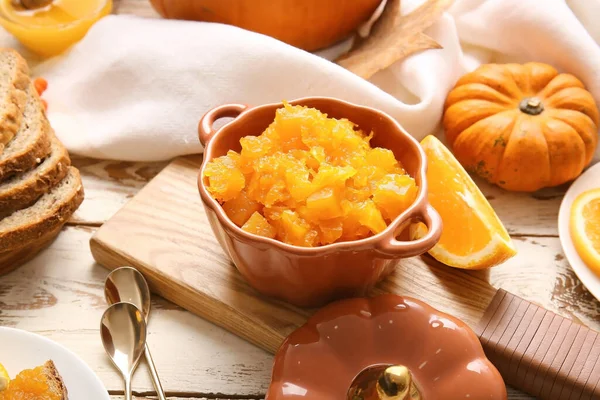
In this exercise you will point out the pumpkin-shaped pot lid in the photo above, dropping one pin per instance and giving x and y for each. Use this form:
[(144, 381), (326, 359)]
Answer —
[(387, 347)]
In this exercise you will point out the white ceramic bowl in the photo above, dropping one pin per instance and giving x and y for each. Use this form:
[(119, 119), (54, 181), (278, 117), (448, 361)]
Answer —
[(21, 350), (590, 179)]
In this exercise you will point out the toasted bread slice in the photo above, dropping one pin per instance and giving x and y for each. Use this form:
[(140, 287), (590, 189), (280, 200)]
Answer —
[(56, 385), (32, 142), (14, 79), (51, 211), (26, 384), (24, 189)]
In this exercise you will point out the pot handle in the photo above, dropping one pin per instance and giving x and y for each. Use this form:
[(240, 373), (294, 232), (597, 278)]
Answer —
[(430, 217), (205, 126)]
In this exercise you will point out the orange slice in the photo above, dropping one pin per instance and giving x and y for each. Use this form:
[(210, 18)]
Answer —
[(584, 225), (473, 236), (4, 378)]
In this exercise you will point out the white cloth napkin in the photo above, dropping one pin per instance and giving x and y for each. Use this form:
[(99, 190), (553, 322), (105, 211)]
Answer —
[(134, 88)]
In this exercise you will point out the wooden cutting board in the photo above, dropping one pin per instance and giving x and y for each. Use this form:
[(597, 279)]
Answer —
[(163, 231)]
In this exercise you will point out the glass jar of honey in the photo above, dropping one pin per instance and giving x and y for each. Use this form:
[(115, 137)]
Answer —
[(48, 27)]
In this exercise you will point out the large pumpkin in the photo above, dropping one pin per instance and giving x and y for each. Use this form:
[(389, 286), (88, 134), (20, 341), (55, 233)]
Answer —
[(522, 127), (387, 347), (307, 24)]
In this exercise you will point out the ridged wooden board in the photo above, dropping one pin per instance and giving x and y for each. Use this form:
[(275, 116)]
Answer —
[(540, 352), (163, 231)]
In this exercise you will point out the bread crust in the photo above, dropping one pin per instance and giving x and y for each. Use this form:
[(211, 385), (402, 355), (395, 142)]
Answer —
[(55, 381), (11, 260), (26, 139), (36, 150), (11, 113), (28, 191), (29, 234)]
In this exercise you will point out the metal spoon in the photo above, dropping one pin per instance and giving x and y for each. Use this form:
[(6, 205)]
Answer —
[(123, 332), (129, 285)]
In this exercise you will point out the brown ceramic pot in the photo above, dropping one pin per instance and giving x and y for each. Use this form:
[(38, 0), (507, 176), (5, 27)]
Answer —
[(385, 348), (314, 276)]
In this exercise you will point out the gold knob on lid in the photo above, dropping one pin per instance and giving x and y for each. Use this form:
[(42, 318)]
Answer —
[(384, 382), (396, 383)]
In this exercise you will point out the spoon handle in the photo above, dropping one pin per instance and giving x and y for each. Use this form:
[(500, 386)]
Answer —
[(128, 395), (155, 379)]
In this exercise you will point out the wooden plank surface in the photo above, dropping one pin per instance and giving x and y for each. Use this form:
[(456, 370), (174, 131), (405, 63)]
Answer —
[(142, 8), (44, 296), (113, 183), (512, 395), (164, 232), (108, 186), (59, 294)]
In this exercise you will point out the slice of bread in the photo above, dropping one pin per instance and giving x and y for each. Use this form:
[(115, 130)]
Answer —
[(25, 227), (14, 79), (24, 189), (56, 385), (47, 372), (11, 260), (32, 142)]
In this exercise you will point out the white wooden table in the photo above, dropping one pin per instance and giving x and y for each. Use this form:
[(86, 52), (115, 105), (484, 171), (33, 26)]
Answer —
[(60, 293)]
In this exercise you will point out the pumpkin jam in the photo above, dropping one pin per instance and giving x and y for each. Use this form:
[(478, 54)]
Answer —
[(31, 384), (309, 180)]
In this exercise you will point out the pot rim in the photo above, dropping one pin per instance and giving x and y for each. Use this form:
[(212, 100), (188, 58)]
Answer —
[(420, 208)]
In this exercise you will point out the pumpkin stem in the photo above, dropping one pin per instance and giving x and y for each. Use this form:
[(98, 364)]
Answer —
[(531, 106), (396, 383)]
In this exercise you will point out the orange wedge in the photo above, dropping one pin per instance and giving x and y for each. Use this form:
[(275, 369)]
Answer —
[(584, 225), (473, 236), (4, 378)]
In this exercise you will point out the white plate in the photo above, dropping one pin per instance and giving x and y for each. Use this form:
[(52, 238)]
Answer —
[(590, 179), (21, 350)]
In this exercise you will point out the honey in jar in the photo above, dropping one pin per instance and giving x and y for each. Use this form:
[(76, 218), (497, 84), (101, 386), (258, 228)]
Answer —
[(50, 27)]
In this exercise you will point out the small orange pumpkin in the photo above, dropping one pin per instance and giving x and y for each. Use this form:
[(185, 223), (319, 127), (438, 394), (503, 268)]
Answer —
[(307, 24), (521, 127)]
